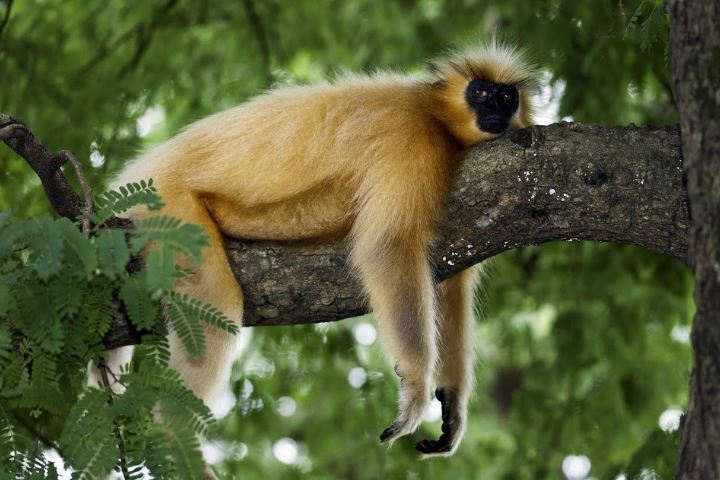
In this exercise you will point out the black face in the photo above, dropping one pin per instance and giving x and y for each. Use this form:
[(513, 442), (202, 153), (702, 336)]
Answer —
[(494, 104)]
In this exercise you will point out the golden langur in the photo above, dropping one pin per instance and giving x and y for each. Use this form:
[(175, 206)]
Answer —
[(369, 158)]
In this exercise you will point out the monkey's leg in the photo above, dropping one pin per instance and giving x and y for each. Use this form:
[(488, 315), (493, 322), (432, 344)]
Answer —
[(454, 370), (401, 294), (214, 283)]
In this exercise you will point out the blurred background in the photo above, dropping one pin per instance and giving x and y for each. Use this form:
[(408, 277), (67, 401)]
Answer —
[(583, 347)]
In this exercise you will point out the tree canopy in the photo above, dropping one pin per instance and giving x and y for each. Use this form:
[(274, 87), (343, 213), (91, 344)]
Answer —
[(583, 347)]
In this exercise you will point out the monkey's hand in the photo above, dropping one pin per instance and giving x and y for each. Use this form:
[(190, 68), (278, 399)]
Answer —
[(414, 399), (453, 426)]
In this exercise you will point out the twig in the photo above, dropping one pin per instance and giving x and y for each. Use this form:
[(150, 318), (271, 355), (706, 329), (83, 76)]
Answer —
[(45, 164), (104, 370), (6, 18), (258, 28), (67, 155), (145, 34)]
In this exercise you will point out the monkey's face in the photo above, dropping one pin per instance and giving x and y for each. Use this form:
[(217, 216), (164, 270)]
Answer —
[(494, 104)]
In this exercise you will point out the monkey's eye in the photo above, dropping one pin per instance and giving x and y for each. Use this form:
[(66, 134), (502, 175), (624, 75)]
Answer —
[(479, 93), (506, 97)]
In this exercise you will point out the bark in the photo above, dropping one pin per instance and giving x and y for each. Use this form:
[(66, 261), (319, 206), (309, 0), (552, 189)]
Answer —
[(695, 55)]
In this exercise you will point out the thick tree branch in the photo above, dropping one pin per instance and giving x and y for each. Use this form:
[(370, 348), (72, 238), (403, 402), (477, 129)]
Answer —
[(560, 182)]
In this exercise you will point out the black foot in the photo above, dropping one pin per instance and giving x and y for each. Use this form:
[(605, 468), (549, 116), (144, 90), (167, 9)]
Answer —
[(450, 424)]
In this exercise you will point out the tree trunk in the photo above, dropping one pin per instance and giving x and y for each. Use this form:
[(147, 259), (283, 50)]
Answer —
[(695, 55)]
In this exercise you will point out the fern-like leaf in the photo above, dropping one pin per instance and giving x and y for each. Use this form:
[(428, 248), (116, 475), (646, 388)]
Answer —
[(66, 293), (204, 312), (44, 388), (185, 324), (112, 252), (97, 312), (46, 245), (87, 437), (185, 450), (141, 309), (34, 315), (12, 234), (4, 295), (114, 202), (170, 232), (78, 249)]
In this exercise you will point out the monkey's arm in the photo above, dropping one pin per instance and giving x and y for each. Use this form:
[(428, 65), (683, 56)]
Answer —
[(398, 280), (390, 238)]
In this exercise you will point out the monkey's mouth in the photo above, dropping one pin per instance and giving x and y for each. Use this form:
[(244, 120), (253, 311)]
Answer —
[(493, 124)]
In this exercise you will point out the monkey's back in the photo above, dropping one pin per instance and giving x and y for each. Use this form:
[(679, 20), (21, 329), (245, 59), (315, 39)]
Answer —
[(289, 164)]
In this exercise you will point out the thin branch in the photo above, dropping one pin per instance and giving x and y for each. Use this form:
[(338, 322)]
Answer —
[(6, 18), (145, 35), (260, 35), (143, 32), (104, 370), (45, 164), (85, 185)]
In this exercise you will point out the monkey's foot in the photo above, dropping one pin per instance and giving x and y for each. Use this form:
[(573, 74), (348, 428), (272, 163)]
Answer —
[(413, 402), (453, 426)]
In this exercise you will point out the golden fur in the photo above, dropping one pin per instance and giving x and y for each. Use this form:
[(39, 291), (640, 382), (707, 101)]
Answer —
[(370, 158)]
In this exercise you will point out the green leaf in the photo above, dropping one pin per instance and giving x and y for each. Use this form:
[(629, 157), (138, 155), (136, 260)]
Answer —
[(112, 252), (185, 324), (4, 295), (66, 293), (185, 450), (114, 202), (5, 344), (160, 268), (97, 312), (78, 248), (34, 314), (44, 388), (4, 216), (46, 244), (140, 307), (10, 234), (204, 312), (87, 438), (154, 385), (170, 232)]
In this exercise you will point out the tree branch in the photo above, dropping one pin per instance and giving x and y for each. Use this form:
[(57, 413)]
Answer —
[(45, 164), (558, 182), (258, 29), (6, 17)]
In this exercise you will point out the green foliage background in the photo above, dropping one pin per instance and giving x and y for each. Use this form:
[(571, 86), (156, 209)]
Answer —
[(581, 346)]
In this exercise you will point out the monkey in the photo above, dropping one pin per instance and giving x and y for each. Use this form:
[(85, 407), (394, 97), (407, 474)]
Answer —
[(369, 158)]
